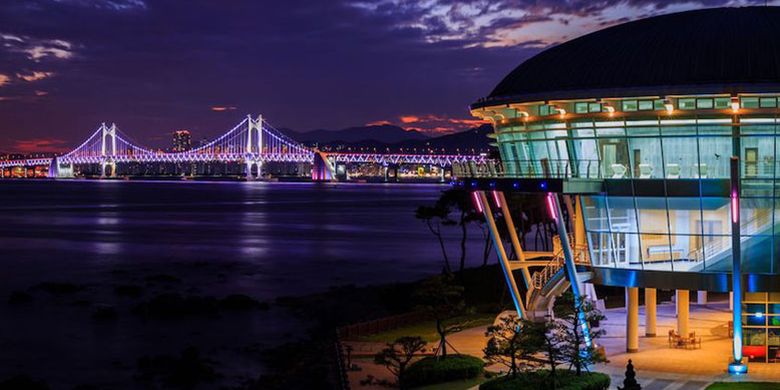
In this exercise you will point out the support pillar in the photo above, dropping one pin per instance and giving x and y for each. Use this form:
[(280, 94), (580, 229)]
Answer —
[(650, 312), (632, 319), (483, 205), (570, 267), (736, 366), (683, 310), (701, 297), (510, 225)]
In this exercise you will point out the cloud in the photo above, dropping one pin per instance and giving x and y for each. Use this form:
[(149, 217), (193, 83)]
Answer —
[(41, 93), (508, 23), (4, 79), (379, 123), (52, 48), (222, 108), (434, 124), (35, 145), (37, 49), (34, 76), (112, 5)]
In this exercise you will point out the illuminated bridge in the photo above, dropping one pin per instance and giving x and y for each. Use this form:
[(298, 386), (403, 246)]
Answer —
[(251, 143)]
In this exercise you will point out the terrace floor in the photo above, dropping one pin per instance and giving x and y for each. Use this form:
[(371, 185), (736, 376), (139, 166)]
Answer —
[(658, 366)]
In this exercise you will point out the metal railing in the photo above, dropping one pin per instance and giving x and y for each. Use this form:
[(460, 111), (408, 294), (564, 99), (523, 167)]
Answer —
[(542, 277), (747, 229)]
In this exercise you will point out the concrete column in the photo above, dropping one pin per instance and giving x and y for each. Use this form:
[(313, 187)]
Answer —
[(632, 319), (683, 299), (650, 303), (701, 297)]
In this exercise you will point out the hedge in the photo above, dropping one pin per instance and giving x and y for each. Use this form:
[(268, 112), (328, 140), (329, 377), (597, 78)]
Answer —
[(431, 370), (565, 379)]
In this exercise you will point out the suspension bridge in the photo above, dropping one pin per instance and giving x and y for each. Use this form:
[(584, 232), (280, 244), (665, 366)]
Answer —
[(251, 143)]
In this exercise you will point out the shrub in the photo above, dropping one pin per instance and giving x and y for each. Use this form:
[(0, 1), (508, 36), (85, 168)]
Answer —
[(430, 370), (566, 380)]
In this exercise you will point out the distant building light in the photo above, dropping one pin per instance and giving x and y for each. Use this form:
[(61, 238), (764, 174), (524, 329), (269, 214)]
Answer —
[(735, 104)]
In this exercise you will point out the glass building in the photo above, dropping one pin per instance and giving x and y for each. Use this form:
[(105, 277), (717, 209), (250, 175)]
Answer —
[(638, 124)]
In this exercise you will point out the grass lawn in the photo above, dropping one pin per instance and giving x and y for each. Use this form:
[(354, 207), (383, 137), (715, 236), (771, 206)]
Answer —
[(744, 386), (457, 385), (427, 329)]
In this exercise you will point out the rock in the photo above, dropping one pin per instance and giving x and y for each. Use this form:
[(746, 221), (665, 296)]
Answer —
[(19, 382), (132, 291), (185, 371), (19, 298), (238, 302), (104, 312), (60, 288), (163, 278)]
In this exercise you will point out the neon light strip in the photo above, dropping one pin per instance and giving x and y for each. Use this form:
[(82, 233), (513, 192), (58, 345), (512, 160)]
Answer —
[(477, 201), (734, 207), (551, 206), (496, 199)]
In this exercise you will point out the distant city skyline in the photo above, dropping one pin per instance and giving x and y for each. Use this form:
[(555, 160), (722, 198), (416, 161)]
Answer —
[(154, 67)]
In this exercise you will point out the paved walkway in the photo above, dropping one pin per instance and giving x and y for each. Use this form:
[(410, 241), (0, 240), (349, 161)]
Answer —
[(658, 366)]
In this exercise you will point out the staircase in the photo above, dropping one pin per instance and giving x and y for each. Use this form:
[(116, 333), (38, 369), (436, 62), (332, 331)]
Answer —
[(720, 249), (550, 281)]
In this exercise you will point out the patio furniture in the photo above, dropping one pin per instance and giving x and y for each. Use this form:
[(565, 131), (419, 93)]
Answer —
[(618, 171), (693, 341), (700, 171), (672, 171), (645, 171)]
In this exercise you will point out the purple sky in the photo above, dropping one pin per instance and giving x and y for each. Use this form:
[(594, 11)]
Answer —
[(153, 66)]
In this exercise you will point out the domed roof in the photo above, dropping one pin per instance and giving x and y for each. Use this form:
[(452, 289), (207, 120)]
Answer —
[(718, 50)]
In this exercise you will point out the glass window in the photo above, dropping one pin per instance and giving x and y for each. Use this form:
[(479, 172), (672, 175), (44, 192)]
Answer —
[(645, 105), (768, 102), (749, 102), (754, 344), (658, 104), (629, 105), (581, 107), (594, 107), (722, 103), (686, 103), (704, 103), (544, 110)]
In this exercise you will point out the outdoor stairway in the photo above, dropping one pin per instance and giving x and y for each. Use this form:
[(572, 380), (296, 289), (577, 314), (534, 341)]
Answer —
[(752, 231), (550, 282)]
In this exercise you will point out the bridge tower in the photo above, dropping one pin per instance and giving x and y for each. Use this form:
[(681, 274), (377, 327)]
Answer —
[(251, 157), (108, 149)]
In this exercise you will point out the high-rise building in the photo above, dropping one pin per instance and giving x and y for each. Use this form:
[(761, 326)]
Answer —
[(659, 136), (182, 140)]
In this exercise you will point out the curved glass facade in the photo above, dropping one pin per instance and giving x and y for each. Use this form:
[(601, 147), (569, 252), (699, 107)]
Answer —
[(682, 139)]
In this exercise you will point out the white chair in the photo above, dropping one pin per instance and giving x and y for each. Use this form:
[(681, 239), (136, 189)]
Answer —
[(672, 171), (645, 171), (618, 171), (700, 171)]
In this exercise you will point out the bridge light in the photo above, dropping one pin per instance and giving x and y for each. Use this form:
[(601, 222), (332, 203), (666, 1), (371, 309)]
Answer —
[(735, 104)]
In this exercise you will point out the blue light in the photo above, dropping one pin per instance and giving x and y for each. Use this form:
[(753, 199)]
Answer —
[(759, 315), (492, 184), (737, 368), (516, 185), (474, 184), (543, 185)]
